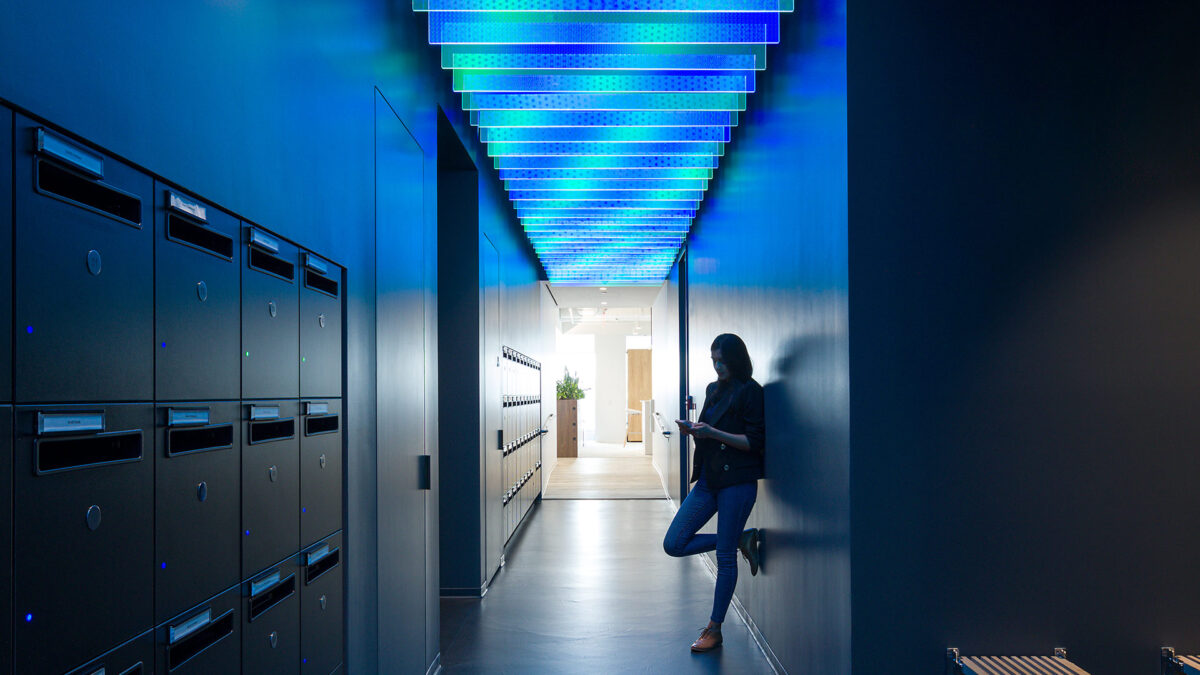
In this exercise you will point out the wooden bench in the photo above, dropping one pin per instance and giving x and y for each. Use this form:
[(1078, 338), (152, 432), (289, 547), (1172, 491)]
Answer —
[(956, 664)]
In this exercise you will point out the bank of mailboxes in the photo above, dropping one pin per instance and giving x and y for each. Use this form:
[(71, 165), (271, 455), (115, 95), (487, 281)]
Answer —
[(521, 403), (168, 501)]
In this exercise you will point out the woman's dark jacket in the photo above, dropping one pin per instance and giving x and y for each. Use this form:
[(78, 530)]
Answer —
[(738, 410)]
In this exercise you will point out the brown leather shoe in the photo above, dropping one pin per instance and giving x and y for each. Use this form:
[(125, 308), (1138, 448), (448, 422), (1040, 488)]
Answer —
[(709, 639)]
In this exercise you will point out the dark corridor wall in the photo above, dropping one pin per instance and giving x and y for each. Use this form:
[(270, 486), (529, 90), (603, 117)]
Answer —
[(267, 109), (1025, 310), (767, 260)]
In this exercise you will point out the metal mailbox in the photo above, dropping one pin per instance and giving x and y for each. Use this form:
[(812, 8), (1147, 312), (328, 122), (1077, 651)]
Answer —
[(197, 478), (320, 469), (83, 532), (320, 327), (205, 639), (6, 258), (197, 319), (135, 657), (321, 636), (84, 279), (270, 484), (270, 318), (271, 621)]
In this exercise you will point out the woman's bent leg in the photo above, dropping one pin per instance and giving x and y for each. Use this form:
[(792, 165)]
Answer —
[(697, 508), (733, 509)]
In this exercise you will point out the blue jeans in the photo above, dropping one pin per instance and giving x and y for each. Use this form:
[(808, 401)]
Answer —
[(732, 505)]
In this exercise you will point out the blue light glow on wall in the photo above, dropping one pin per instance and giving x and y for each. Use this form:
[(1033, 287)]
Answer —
[(606, 119)]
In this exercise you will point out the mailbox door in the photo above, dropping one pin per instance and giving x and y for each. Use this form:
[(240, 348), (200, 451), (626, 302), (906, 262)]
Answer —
[(84, 288), (270, 486), (270, 321), (83, 534), (321, 606), (197, 504), (321, 330), (6, 299), (320, 470), (135, 657), (208, 638), (197, 283), (271, 624)]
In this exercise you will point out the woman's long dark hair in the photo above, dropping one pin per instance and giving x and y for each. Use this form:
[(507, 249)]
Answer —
[(733, 352)]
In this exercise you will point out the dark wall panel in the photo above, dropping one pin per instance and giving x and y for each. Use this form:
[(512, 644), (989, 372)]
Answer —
[(1024, 240), (767, 261), (6, 243)]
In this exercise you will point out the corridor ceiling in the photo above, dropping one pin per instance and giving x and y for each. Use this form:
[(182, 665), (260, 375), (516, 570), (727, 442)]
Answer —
[(605, 118)]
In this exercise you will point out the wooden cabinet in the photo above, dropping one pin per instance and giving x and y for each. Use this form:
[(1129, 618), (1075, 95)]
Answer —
[(568, 428)]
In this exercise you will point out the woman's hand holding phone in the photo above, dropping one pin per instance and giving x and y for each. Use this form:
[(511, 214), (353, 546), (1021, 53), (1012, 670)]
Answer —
[(685, 427)]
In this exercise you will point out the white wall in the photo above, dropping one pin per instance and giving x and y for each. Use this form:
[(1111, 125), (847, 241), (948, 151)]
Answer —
[(612, 393)]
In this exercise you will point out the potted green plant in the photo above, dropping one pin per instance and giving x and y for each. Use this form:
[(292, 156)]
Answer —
[(569, 392)]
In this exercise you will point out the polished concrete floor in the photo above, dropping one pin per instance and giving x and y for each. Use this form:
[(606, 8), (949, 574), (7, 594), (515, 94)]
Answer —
[(588, 589), (604, 478)]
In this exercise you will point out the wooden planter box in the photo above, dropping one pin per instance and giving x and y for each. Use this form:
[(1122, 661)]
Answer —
[(568, 428)]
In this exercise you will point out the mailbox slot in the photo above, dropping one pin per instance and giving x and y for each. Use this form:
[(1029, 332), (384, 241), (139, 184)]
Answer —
[(55, 181), (275, 430), (319, 283), (199, 439), (189, 233), (271, 596), (265, 262), (196, 642), (323, 424), (65, 454), (318, 566)]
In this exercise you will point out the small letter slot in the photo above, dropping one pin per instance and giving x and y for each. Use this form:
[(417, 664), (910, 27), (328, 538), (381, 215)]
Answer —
[(319, 562), (274, 594), (198, 439), (189, 644), (65, 454), (278, 430), (195, 235), (265, 262), (319, 283), (69, 186), (324, 424)]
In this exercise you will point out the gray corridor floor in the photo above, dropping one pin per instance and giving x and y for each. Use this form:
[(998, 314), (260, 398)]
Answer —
[(588, 589)]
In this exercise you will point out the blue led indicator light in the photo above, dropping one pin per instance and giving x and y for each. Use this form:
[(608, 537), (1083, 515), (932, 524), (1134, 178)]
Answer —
[(29, 329), (164, 345), (164, 565), (247, 533), (28, 618)]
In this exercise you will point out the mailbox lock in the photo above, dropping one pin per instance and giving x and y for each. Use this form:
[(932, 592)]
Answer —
[(93, 262), (322, 460), (202, 291), (93, 517), (202, 491), (271, 309), (272, 472), (323, 602), (321, 320), (274, 638)]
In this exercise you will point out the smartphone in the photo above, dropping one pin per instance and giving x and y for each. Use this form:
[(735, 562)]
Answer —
[(686, 423)]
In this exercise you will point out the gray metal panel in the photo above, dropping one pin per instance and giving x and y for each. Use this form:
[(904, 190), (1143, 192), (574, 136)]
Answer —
[(493, 487), (270, 327), (84, 331), (123, 659), (400, 346), (271, 639), (197, 510), (321, 604), (197, 320), (320, 472), (6, 504), (321, 333), (211, 648), (6, 186), (79, 590), (270, 491)]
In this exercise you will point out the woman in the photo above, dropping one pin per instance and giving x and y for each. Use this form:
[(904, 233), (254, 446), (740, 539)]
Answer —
[(727, 463)]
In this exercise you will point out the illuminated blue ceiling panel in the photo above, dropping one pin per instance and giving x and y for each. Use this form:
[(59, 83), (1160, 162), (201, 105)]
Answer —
[(606, 119)]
